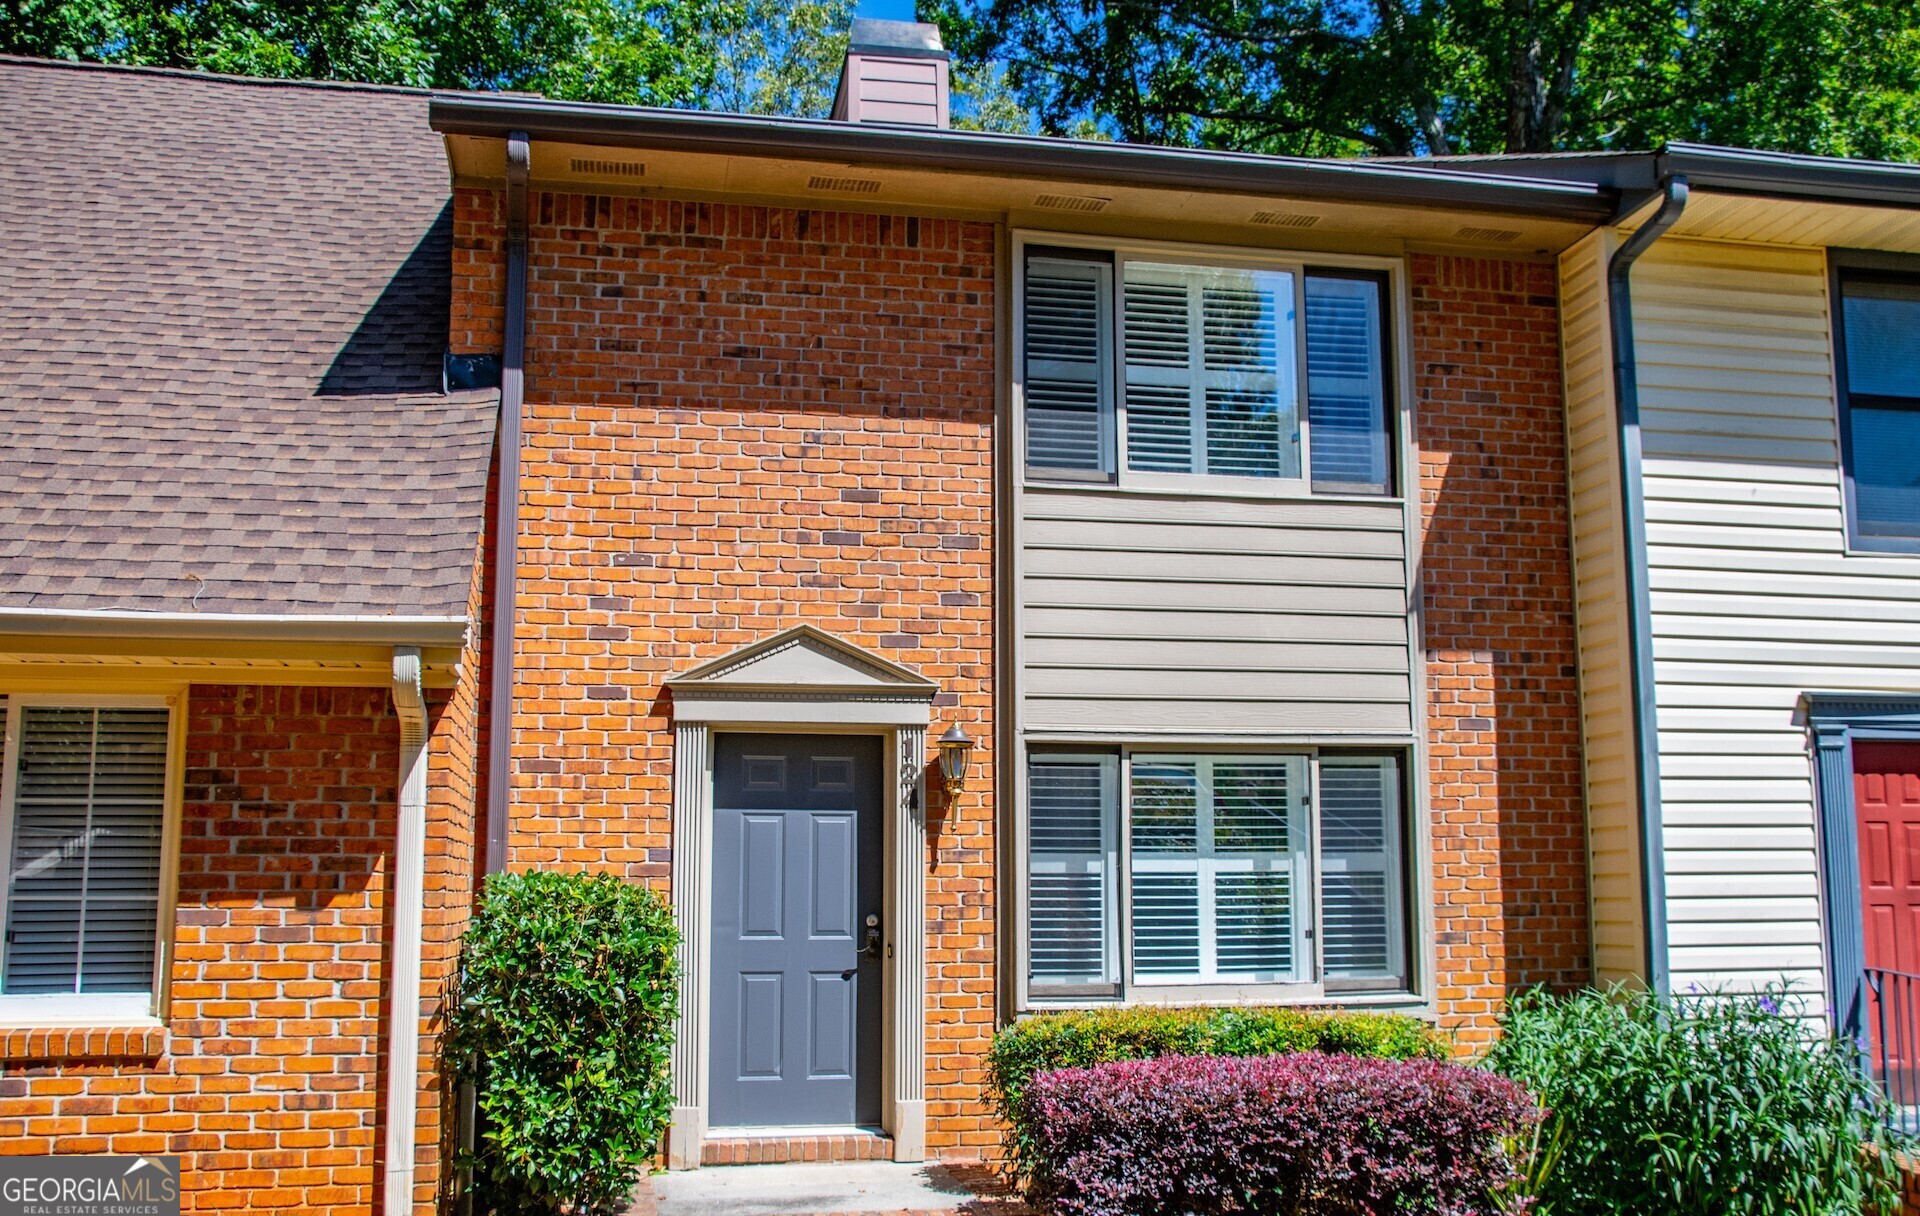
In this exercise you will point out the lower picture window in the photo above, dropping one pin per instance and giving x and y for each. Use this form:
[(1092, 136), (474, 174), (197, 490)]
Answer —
[(81, 828), (1177, 870)]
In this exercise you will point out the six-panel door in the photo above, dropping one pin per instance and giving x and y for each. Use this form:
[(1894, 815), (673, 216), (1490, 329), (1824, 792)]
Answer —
[(796, 972)]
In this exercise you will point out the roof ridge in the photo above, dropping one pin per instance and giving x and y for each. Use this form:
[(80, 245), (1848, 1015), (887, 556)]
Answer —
[(139, 69)]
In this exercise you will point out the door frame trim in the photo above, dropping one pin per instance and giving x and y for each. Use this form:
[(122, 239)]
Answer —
[(900, 716), (1835, 720)]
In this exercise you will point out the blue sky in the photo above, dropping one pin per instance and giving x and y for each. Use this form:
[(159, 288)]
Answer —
[(891, 10)]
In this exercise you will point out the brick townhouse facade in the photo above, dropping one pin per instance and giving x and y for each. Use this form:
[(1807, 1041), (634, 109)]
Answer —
[(783, 517)]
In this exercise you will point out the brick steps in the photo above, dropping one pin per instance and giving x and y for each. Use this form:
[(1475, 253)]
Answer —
[(777, 1149)]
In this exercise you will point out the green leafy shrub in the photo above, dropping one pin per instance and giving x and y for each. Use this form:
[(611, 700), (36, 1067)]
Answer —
[(1705, 1105), (1083, 1038), (563, 1023)]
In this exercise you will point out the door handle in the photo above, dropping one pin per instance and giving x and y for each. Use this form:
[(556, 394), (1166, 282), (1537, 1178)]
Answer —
[(873, 936)]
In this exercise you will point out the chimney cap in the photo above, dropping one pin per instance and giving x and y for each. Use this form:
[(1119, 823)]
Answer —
[(904, 39)]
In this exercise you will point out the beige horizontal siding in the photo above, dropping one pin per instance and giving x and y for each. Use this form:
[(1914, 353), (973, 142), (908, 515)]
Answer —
[(1755, 599), (1593, 470), (1211, 616)]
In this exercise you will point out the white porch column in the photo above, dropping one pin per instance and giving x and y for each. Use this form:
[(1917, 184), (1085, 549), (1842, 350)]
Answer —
[(907, 927), (691, 822)]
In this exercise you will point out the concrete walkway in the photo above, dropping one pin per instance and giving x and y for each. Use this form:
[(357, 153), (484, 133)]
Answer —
[(934, 1189)]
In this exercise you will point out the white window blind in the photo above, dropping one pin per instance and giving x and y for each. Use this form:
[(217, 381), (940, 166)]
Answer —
[(1218, 861), (1068, 384), (1073, 813), (1346, 384), (1361, 879), (1210, 371), (83, 883)]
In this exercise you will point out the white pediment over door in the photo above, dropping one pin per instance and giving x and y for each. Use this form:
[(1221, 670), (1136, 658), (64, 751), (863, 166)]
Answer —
[(799, 666)]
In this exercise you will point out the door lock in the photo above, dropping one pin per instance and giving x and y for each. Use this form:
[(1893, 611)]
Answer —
[(873, 936)]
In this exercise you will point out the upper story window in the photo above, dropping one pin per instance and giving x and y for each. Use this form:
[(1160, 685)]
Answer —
[(82, 822), (1146, 370), (1878, 339)]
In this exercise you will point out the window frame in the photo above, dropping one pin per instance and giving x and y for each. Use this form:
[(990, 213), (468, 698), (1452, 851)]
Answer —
[(97, 1009), (1404, 991), (1856, 265), (1390, 272)]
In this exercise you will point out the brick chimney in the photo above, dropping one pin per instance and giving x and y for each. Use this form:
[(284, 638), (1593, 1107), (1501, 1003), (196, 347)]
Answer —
[(896, 72)]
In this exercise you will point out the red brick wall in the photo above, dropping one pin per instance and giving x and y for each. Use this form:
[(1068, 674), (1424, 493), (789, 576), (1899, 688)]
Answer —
[(742, 417), (1509, 846), (267, 1080), (739, 419)]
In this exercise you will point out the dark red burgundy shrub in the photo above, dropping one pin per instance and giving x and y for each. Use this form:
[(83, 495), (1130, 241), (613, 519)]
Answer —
[(1274, 1135)]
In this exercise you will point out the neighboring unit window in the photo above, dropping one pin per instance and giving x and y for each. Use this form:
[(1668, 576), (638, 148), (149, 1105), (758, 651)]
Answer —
[(1880, 372), (1199, 373), (83, 830), (1217, 880)]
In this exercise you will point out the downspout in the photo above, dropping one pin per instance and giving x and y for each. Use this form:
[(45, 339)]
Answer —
[(408, 879), (1626, 389), (506, 511), (506, 559)]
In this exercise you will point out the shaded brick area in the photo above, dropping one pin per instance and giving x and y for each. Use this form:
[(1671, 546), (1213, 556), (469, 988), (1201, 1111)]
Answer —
[(740, 419), (267, 1078), (1509, 844)]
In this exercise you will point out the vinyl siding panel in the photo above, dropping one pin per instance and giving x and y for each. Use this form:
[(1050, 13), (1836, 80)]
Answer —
[(1211, 616), (1593, 470), (1755, 599)]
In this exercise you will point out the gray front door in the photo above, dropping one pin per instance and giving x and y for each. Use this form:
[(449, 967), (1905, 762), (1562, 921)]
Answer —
[(796, 875)]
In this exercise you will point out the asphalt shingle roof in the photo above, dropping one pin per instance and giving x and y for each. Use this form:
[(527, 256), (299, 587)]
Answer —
[(223, 305)]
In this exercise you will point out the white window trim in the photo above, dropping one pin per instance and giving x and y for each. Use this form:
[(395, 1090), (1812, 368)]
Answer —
[(101, 1009), (1410, 994), (1118, 478)]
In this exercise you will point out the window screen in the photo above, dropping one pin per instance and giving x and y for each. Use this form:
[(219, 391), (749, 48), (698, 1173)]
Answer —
[(84, 872), (1880, 332)]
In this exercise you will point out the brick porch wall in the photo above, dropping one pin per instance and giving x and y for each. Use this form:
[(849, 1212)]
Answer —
[(267, 1078), (740, 419), (1503, 727)]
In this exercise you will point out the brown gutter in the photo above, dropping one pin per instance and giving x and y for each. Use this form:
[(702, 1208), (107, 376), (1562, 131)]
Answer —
[(506, 513)]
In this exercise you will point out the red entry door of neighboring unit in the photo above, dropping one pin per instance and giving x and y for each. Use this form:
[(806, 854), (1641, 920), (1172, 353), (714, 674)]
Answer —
[(1886, 802), (1886, 807)]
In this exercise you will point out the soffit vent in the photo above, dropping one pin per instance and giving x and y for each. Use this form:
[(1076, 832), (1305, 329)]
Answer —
[(844, 185), (1071, 202), (1470, 233), (1285, 219), (608, 168)]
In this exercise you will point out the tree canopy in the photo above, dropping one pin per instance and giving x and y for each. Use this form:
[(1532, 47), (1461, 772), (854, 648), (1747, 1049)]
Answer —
[(747, 56), (1419, 77)]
